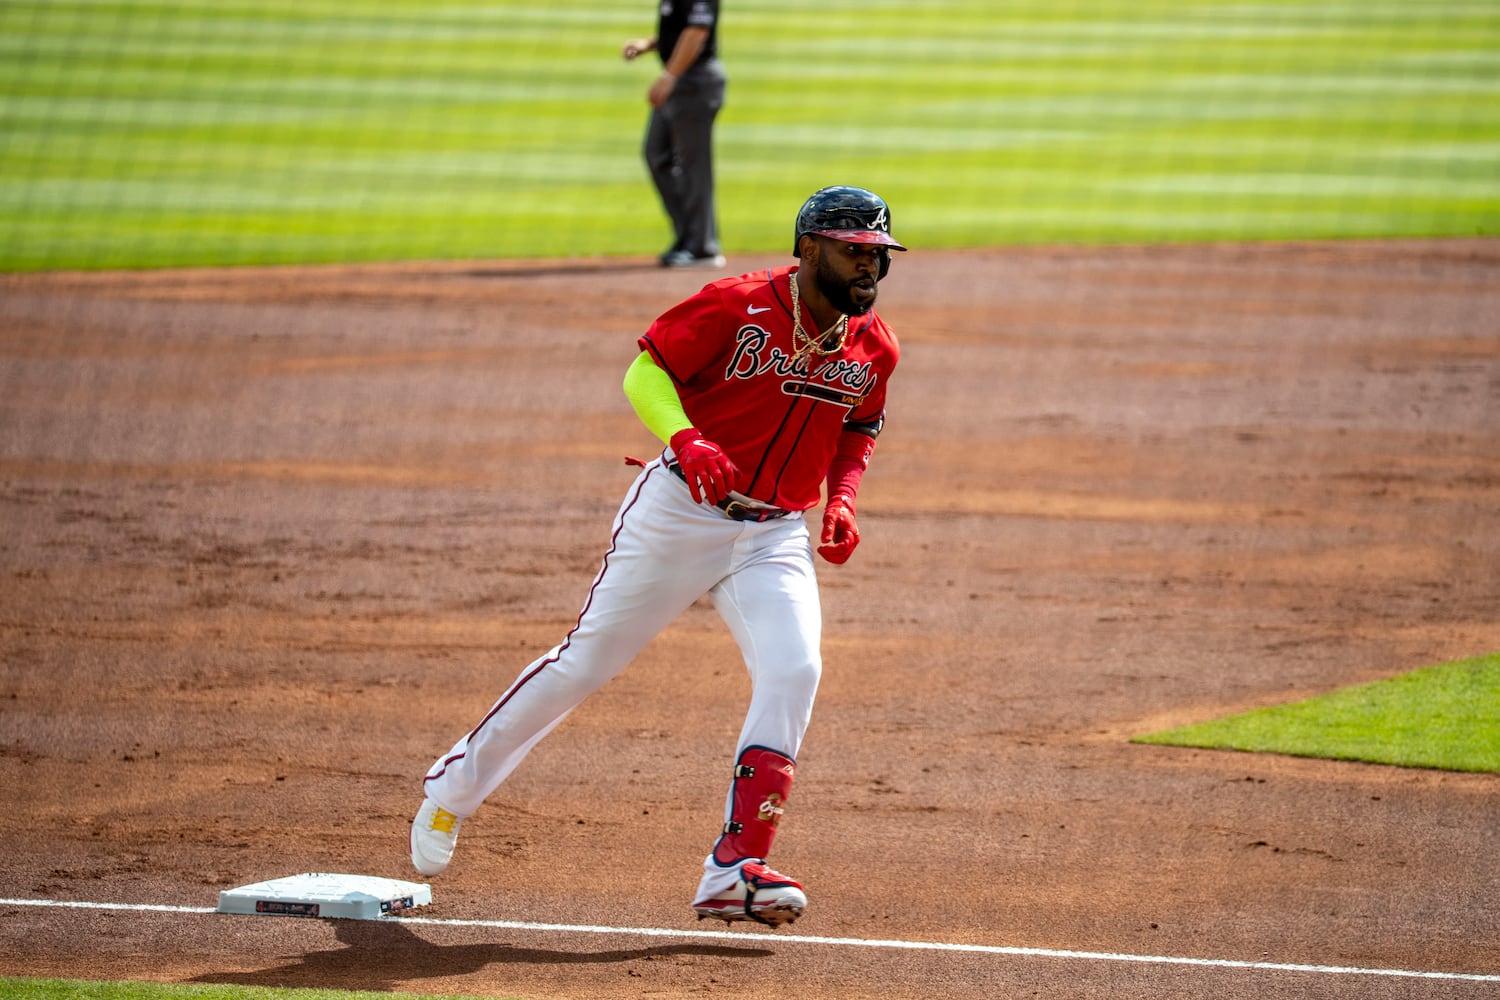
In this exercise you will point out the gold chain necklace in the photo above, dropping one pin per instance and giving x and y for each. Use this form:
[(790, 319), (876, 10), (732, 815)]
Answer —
[(802, 343)]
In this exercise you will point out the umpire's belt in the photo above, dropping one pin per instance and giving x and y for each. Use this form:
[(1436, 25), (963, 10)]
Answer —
[(738, 510)]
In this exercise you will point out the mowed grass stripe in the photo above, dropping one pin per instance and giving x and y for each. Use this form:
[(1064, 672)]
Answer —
[(200, 133)]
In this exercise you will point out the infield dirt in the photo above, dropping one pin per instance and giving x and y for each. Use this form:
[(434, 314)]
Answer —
[(274, 538)]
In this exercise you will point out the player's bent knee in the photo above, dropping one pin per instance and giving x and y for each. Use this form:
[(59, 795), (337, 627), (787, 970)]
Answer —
[(798, 680)]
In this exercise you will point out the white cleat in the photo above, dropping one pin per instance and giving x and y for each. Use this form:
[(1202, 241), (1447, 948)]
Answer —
[(760, 894), (433, 835)]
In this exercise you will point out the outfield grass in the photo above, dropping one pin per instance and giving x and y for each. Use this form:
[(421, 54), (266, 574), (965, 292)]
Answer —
[(229, 131), (1446, 716)]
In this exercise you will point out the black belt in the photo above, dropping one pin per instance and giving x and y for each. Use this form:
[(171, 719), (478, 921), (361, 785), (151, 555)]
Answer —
[(737, 510)]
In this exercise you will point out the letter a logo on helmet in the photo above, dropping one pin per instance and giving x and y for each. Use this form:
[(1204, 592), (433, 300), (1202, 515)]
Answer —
[(850, 214)]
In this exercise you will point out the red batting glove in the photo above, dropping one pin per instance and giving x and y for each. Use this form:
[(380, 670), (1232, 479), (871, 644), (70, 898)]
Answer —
[(840, 533), (710, 474)]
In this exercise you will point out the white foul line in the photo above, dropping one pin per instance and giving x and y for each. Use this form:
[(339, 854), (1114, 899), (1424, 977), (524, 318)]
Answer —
[(742, 937)]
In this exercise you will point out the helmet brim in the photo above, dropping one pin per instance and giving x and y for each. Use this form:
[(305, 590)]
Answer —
[(859, 236)]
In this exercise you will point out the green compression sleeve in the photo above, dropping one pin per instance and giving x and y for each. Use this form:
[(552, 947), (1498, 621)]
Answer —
[(651, 392)]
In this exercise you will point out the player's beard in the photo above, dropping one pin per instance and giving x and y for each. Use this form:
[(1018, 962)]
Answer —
[(837, 290)]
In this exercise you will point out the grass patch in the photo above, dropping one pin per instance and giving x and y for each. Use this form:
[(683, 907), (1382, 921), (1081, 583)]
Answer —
[(205, 132), (1446, 716), (78, 989)]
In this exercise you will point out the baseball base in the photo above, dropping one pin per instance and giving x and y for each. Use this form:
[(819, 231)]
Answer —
[(321, 894)]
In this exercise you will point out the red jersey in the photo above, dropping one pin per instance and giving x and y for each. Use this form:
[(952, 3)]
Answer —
[(729, 350)]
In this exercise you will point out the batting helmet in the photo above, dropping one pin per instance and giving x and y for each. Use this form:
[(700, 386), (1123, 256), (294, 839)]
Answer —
[(850, 214)]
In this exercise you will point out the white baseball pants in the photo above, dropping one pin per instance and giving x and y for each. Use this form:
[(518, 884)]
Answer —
[(665, 552)]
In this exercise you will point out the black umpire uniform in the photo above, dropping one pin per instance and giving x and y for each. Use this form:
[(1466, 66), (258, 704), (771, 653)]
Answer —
[(679, 135)]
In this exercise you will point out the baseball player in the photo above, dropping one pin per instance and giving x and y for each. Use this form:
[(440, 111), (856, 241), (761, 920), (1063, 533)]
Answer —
[(765, 388)]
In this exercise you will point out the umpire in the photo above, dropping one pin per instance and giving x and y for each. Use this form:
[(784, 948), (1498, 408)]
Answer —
[(685, 99)]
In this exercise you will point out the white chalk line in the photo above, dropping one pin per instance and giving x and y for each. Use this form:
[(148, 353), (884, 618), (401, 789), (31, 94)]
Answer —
[(896, 945)]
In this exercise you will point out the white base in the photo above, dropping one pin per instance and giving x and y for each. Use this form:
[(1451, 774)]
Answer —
[(355, 897)]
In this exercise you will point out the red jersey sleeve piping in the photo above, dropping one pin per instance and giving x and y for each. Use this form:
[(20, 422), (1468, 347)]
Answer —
[(646, 345)]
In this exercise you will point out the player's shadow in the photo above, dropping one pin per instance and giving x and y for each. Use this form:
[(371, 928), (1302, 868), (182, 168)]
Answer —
[(381, 955)]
